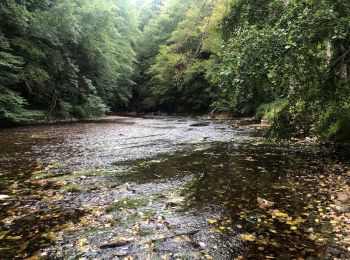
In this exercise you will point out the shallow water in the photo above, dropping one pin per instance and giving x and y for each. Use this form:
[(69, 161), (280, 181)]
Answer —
[(200, 183)]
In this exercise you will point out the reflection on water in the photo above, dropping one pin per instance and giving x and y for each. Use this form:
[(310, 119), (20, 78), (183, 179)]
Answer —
[(281, 202), (231, 181)]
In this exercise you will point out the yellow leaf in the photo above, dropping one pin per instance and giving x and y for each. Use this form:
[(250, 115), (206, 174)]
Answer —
[(14, 237), (3, 233), (212, 221), (82, 241), (83, 249), (312, 237), (279, 214), (248, 237)]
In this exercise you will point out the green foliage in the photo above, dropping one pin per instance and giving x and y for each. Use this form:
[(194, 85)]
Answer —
[(286, 61), (177, 73), (334, 123), (11, 104), (70, 58), (269, 111), (297, 51)]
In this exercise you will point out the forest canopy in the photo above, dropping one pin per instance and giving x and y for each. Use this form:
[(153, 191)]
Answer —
[(285, 61), (65, 58)]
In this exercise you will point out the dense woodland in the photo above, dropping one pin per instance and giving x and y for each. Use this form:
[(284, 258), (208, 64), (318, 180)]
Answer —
[(286, 61)]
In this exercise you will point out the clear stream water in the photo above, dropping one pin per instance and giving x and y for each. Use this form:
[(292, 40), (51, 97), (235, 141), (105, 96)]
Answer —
[(208, 189)]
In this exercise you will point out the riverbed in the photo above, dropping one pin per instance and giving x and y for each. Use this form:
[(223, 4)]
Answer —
[(169, 188)]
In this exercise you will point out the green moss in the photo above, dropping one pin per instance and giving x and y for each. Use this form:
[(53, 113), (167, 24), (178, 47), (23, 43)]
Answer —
[(46, 174), (73, 188), (150, 214), (127, 204)]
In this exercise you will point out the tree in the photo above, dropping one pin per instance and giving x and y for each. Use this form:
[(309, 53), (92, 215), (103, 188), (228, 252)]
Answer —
[(67, 58)]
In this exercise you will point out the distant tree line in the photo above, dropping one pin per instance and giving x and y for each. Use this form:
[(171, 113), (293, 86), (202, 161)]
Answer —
[(286, 61)]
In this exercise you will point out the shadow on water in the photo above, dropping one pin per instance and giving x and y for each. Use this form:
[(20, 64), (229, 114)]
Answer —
[(274, 197)]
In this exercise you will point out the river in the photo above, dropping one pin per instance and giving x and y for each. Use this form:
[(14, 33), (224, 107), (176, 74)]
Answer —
[(169, 188)]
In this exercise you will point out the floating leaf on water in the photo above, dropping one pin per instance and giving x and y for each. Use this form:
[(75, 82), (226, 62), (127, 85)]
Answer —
[(150, 247), (4, 233), (2, 196), (310, 230), (50, 236), (13, 237), (275, 244), (82, 241), (165, 257), (279, 214), (212, 221), (310, 250), (298, 221), (264, 203), (117, 241), (83, 249), (248, 237), (312, 237)]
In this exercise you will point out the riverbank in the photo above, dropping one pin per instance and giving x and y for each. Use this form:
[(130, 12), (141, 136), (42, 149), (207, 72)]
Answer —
[(56, 121)]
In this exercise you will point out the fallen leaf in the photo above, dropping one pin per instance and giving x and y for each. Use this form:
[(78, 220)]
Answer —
[(2, 197), (117, 241), (248, 237), (212, 221), (264, 203)]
